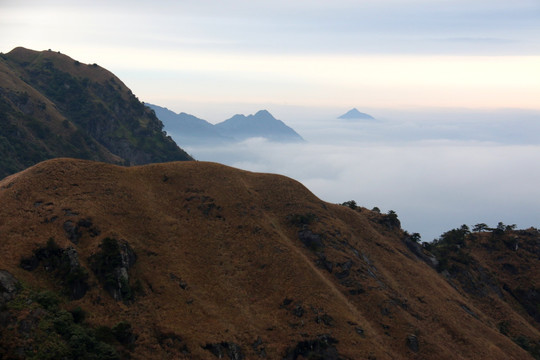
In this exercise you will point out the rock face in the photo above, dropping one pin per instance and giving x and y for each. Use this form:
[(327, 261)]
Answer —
[(320, 348), (111, 266), (63, 264), (8, 287), (195, 260), (54, 106), (225, 349)]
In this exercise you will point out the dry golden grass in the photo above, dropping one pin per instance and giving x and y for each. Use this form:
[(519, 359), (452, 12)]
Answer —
[(227, 234)]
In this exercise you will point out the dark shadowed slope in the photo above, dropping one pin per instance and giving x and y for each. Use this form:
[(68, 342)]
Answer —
[(54, 106)]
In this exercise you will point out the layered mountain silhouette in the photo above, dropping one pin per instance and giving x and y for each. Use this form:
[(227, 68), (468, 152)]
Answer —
[(196, 260), (355, 114), (54, 106), (189, 130), (261, 124)]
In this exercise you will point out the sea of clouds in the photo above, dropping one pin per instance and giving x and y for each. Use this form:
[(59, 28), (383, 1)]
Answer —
[(437, 169)]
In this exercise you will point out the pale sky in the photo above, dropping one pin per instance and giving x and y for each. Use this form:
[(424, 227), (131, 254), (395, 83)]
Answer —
[(188, 55)]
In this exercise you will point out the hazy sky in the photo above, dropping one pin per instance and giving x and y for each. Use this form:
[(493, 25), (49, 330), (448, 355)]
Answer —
[(341, 53), (309, 61)]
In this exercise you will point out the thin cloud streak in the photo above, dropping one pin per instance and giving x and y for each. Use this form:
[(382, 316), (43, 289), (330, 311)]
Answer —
[(345, 27)]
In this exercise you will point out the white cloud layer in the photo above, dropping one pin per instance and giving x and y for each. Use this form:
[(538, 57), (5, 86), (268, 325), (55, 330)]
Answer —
[(434, 180)]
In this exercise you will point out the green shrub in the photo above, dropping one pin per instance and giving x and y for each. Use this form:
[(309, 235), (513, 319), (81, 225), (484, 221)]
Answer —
[(123, 333), (57, 261), (351, 204), (302, 219), (50, 348), (79, 315), (63, 338), (63, 323), (504, 327), (47, 299), (105, 334)]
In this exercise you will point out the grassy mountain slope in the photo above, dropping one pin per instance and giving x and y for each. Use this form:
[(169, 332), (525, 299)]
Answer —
[(54, 106), (498, 270), (198, 260)]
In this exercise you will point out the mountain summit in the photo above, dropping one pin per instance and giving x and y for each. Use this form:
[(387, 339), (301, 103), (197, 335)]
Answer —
[(190, 130), (54, 106), (355, 114), (262, 124)]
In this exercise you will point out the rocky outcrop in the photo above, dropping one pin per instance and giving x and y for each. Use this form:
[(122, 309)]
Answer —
[(323, 347), (417, 250), (412, 343), (311, 240), (229, 349), (8, 287), (111, 266), (63, 264)]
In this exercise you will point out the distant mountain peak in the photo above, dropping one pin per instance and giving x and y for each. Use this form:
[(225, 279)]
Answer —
[(189, 129), (261, 124), (355, 114), (264, 114)]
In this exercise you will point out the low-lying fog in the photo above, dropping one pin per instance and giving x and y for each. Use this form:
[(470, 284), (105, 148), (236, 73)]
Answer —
[(436, 169)]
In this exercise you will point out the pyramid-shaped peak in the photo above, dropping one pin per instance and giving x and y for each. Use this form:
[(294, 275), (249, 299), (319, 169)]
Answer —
[(263, 114), (355, 114)]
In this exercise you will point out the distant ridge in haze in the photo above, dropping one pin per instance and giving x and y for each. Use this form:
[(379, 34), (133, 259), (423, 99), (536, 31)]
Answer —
[(190, 130), (262, 124), (355, 114)]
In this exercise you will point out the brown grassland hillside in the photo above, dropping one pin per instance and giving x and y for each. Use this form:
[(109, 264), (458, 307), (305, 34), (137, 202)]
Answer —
[(197, 260)]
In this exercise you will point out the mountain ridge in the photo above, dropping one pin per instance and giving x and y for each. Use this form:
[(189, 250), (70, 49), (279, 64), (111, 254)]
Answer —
[(53, 105), (230, 263), (189, 129), (260, 124)]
